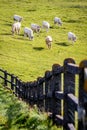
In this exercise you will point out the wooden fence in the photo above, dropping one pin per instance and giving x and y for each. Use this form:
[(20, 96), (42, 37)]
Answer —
[(62, 92)]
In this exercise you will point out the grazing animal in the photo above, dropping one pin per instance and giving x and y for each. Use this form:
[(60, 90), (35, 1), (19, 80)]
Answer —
[(72, 37), (57, 21), (48, 41), (46, 25), (36, 28), (16, 27), (17, 18), (29, 33)]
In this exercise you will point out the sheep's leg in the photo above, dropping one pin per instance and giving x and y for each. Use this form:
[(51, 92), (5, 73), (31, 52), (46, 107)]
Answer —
[(18, 31), (24, 34)]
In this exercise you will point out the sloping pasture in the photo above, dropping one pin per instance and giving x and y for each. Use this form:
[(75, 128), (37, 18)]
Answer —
[(30, 59)]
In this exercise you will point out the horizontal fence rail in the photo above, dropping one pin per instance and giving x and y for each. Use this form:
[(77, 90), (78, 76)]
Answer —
[(55, 93)]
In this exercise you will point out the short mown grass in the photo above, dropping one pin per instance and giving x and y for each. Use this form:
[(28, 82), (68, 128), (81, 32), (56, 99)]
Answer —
[(30, 59)]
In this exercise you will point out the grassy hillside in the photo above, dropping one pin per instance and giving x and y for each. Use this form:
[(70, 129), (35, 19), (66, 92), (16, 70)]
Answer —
[(17, 115), (30, 59)]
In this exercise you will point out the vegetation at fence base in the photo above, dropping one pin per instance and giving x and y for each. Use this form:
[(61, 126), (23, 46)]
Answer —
[(15, 114), (30, 59)]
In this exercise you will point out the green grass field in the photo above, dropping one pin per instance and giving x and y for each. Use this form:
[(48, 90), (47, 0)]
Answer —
[(30, 59)]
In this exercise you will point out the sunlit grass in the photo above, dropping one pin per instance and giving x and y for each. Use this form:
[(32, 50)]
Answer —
[(30, 59)]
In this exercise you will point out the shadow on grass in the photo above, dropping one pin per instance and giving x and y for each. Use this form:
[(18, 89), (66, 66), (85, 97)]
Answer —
[(73, 21), (62, 44), (31, 10), (38, 48), (52, 27), (8, 24), (6, 34), (78, 6), (20, 37)]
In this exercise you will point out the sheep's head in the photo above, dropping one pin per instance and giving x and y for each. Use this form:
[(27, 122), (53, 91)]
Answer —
[(20, 19), (60, 23), (38, 28), (74, 38), (32, 37)]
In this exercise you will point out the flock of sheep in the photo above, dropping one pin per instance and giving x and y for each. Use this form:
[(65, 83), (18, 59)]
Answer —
[(29, 32)]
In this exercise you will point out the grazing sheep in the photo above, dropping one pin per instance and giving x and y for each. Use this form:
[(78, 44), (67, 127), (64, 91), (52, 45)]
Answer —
[(72, 37), (17, 18), (48, 41), (46, 25), (16, 27), (36, 28), (57, 21), (29, 33)]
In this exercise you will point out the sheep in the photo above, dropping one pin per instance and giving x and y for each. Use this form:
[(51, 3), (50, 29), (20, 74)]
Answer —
[(16, 27), (36, 28), (29, 33), (48, 41), (57, 21), (72, 37), (46, 25), (17, 18)]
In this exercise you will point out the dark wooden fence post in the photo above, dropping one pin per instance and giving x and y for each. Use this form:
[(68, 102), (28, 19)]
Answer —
[(41, 93), (16, 86), (31, 87), (23, 87), (27, 92), (48, 92), (12, 82), (69, 87), (58, 94), (19, 89), (5, 78), (57, 86), (35, 92), (82, 110)]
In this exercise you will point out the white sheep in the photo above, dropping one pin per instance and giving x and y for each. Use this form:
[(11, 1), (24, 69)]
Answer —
[(17, 18), (16, 28), (57, 21), (46, 25), (48, 41), (72, 37), (29, 33), (36, 28)]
